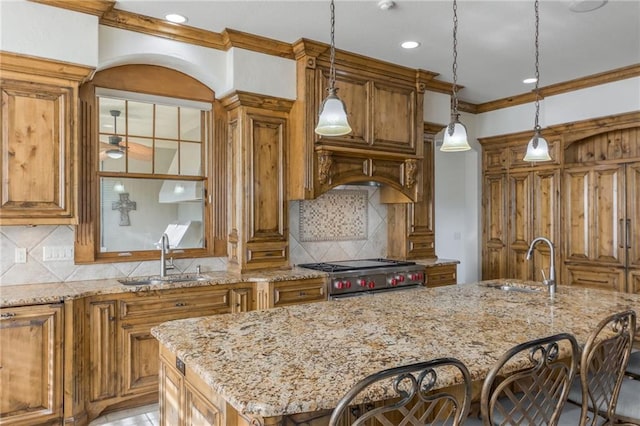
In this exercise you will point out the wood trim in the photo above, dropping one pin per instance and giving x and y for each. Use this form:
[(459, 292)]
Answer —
[(220, 41), (92, 7), (240, 98), (564, 87), (433, 128), (25, 64)]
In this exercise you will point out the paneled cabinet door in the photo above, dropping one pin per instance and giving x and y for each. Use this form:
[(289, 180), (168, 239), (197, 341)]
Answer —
[(139, 359), (632, 224), (495, 238), (519, 227), (37, 154), (103, 354), (31, 360), (171, 395), (594, 214)]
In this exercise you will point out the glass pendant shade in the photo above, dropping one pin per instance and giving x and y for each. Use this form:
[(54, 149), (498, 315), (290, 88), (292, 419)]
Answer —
[(115, 153), (455, 137), (333, 117), (537, 149)]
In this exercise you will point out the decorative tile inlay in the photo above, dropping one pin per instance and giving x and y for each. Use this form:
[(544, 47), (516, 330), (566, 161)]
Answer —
[(335, 216)]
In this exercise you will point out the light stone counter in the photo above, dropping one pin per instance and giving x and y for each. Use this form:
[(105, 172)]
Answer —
[(304, 358), (35, 294)]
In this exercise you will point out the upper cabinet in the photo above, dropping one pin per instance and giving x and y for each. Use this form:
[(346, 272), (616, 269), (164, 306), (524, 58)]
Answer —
[(385, 109), (39, 153)]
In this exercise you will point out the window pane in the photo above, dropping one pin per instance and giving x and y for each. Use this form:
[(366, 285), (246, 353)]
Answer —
[(166, 157), (140, 117), (190, 159), (190, 124), (166, 122), (135, 213), (106, 118), (111, 156), (139, 154)]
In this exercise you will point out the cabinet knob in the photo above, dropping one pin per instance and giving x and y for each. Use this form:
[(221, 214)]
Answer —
[(302, 294), (181, 304)]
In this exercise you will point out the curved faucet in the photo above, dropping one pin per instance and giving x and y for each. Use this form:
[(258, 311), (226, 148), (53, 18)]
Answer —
[(551, 282), (164, 249)]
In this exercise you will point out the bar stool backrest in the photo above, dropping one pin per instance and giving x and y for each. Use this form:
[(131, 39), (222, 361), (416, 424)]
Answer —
[(529, 385), (410, 395)]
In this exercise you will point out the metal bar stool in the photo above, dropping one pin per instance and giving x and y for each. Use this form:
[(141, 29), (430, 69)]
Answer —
[(602, 370), (530, 383), (409, 395)]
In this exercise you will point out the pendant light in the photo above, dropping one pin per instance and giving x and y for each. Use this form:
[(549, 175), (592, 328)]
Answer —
[(538, 148), (116, 152), (332, 120), (455, 134)]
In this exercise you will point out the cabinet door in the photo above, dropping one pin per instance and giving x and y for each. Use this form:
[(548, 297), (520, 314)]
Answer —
[(546, 220), (393, 118), (633, 281), (240, 299), (520, 219), (441, 275), (608, 202), (632, 225), (139, 359), (37, 153), (495, 239), (198, 410), (31, 360), (103, 355), (171, 395), (577, 214)]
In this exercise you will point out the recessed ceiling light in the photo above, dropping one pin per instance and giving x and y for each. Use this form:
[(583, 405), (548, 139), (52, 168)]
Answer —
[(175, 18), (386, 4), (529, 80), (586, 5), (409, 44)]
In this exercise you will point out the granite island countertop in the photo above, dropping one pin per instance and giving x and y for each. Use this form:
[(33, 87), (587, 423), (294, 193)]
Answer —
[(303, 358)]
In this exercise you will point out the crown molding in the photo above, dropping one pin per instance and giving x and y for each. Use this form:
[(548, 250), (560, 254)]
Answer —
[(16, 62)]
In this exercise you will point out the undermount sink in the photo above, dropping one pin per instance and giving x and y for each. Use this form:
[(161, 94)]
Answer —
[(169, 279), (512, 287)]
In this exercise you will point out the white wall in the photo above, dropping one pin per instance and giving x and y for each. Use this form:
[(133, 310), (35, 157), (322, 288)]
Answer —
[(48, 32)]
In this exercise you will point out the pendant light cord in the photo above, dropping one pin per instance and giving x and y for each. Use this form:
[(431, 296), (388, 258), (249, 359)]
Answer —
[(332, 67), (537, 65), (455, 59)]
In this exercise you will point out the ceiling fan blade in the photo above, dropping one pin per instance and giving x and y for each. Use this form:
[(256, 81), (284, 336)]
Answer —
[(138, 151)]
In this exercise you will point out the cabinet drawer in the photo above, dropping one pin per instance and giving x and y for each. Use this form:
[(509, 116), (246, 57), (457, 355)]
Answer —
[(210, 301), (604, 278), (299, 291), (440, 275)]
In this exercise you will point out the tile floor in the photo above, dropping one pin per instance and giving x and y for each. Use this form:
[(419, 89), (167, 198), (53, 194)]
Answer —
[(146, 415)]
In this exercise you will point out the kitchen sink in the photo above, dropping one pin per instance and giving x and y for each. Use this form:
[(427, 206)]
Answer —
[(169, 279), (506, 286)]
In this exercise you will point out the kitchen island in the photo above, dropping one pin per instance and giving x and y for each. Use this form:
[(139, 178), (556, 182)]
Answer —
[(282, 365)]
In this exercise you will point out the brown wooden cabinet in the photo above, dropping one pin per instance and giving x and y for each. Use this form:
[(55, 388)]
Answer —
[(441, 275), (411, 231), (384, 104), (123, 355), (271, 294), (39, 153), (587, 201), (258, 222), (31, 379)]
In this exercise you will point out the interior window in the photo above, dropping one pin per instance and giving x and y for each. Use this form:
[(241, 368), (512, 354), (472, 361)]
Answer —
[(151, 174)]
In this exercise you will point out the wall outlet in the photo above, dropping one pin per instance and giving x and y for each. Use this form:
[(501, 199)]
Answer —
[(457, 236), (21, 255), (57, 253)]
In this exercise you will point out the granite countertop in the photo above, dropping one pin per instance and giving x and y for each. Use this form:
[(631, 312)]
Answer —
[(35, 294), (304, 358)]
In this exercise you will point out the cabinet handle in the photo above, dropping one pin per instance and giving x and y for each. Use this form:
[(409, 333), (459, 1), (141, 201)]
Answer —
[(621, 233), (302, 294), (179, 304), (628, 233), (7, 315)]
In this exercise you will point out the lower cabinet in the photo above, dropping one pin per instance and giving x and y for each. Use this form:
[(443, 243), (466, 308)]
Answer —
[(282, 293), (31, 365), (604, 278), (441, 275), (123, 354)]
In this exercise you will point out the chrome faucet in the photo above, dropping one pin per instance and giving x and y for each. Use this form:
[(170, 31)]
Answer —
[(164, 250), (551, 282)]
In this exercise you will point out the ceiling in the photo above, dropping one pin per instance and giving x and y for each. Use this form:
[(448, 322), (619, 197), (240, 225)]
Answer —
[(495, 38)]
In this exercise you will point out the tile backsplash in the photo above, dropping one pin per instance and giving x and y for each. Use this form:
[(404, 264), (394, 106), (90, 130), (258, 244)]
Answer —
[(361, 217)]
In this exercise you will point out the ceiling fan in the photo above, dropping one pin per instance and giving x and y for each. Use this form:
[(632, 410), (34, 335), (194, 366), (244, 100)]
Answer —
[(116, 147)]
